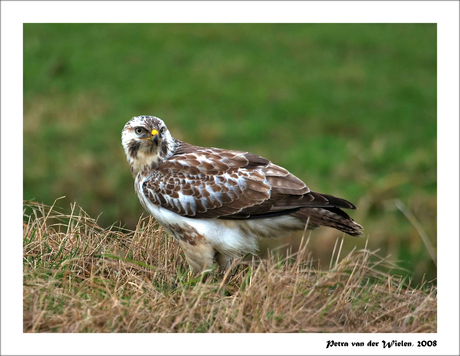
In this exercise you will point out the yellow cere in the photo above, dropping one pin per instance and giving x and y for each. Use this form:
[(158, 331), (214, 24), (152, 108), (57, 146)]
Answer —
[(154, 132)]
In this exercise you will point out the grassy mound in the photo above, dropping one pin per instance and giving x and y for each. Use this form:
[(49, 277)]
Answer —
[(79, 277)]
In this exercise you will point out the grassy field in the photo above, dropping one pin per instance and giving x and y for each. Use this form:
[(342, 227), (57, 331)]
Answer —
[(79, 277), (348, 108)]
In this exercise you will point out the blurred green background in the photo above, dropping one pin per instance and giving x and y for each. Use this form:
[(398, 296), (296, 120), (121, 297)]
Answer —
[(348, 108)]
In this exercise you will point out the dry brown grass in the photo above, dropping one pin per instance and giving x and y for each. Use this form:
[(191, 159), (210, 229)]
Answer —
[(79, 277)]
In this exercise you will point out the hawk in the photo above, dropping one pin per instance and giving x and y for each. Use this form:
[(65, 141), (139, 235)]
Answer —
[(217, 203)]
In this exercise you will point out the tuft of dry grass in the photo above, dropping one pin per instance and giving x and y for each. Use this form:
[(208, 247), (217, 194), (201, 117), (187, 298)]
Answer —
[(79, 277)]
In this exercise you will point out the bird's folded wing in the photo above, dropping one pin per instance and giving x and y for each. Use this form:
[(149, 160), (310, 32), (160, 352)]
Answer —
[(216, 183)]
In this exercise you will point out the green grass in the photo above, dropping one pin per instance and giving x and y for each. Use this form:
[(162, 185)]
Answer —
[(349, 108)]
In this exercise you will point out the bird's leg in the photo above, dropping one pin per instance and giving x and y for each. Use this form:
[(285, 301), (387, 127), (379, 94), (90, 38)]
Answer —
[(224, 261), (200, 256)]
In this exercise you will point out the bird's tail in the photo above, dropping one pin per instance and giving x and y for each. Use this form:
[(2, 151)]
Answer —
[(332, 217)]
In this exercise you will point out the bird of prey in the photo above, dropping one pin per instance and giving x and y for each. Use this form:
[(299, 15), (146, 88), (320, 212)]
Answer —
[(217, 203)]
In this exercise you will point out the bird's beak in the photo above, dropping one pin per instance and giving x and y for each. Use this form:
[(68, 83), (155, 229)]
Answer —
[(154, 136)]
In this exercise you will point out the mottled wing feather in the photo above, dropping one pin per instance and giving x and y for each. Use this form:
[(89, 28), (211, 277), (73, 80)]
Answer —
[(206, 184), (216, 183)]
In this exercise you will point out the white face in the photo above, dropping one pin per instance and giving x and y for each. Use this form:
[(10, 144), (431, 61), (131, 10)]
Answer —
[(146, 141)]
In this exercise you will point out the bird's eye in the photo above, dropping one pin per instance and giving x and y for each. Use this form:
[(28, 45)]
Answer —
[(162, 130), (138, 130)]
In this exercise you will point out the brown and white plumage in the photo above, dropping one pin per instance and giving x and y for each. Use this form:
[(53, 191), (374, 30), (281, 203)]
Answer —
[(216, 203)]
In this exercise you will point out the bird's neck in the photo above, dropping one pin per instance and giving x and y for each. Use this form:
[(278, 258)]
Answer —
[(146, 161), (142, 162)]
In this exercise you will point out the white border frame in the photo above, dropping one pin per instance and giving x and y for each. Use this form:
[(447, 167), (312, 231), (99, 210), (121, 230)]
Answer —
[(14, 14)]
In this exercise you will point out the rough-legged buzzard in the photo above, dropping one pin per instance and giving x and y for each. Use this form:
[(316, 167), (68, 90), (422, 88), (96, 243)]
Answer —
[(216, 203)]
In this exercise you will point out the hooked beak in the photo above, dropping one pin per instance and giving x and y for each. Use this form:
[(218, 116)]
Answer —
[(154, 136)]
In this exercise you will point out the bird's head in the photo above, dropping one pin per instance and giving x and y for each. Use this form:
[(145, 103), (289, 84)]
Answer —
[(147, 142)]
